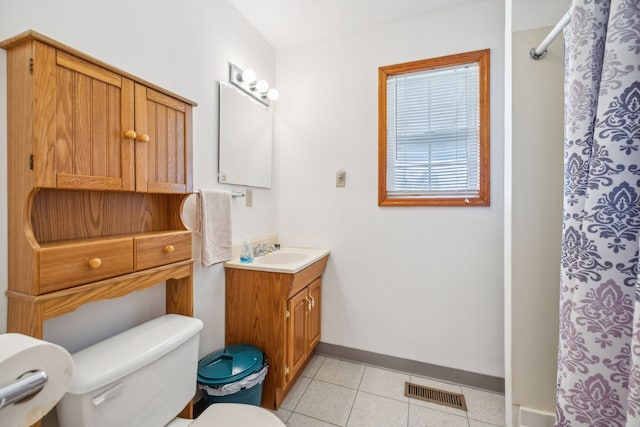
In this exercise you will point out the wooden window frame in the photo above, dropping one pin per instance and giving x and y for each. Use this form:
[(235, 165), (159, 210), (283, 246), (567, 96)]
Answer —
[(482, 58)]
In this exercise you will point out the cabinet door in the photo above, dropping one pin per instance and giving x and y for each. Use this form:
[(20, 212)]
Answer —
[(298, 307), (163, 146), (94, 108), (313, 319)]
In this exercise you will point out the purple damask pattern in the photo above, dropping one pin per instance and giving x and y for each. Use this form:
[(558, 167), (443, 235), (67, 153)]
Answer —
[(599, 340), (616, 217), (606, 313), (594, 402)]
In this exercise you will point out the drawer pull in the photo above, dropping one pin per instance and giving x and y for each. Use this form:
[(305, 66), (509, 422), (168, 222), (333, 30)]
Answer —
[(130, 134), (143, 137), (95, 262), (169, 249)]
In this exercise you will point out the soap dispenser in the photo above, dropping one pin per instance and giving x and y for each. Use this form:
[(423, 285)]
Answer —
[(246, 255)]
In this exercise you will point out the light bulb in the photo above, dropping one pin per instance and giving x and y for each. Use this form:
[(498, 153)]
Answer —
[(248, 76), (262, 86), (273, 94)]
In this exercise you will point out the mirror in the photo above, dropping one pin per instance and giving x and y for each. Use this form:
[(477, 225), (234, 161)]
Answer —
[(244, 155)]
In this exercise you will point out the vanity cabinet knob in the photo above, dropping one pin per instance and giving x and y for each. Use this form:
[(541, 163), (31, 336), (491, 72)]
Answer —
[(313, 301), (95, 262), (143, 137), (130, 134), (168, 249)]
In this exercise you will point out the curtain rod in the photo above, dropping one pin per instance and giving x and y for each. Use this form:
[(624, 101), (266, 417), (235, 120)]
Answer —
[(540, 52)]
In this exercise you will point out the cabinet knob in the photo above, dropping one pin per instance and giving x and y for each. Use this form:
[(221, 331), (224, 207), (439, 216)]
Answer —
[(313, 301), (95, 262), (130, 134), (143, 137), (168, 249)]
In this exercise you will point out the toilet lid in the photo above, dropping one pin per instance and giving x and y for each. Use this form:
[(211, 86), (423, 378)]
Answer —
[(236, 415)]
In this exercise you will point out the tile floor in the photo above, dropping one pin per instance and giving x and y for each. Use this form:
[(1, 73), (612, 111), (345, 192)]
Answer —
[(334, 392)]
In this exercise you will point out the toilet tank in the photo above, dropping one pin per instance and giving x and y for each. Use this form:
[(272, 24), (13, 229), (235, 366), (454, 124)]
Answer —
[(142, 377)]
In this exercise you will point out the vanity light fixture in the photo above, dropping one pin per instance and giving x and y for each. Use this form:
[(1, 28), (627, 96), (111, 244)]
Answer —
[(273, 94), (248, 76), (261, 86), (246, 81)]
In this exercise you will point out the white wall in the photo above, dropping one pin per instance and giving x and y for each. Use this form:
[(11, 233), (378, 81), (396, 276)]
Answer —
[(184, 47), (537, 218), (534, 211), (422, 283), (529, 14)]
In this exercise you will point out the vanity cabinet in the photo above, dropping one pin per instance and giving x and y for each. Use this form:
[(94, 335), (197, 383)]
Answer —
[(280, 314), (99, 167)]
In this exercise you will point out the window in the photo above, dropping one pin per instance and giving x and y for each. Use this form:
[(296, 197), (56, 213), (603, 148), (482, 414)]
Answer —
[(433, 127)]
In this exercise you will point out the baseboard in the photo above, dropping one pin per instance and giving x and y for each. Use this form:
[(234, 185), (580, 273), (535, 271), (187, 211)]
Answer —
[(533, 418), (458, 376)]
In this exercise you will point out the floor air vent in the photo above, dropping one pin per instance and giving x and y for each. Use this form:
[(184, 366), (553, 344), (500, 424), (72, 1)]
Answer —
[(434, 395)]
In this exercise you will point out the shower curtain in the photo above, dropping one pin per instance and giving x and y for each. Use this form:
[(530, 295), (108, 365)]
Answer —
[(599, 343)]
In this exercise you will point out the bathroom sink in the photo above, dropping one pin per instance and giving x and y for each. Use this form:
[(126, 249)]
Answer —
[(285, 260), (281, 257)]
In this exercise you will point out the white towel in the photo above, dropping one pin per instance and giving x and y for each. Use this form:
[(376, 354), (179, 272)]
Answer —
[(213, 217)]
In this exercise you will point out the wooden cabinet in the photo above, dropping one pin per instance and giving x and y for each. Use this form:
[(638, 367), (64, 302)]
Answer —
[(280, 314), (99, 167), (88, 126)]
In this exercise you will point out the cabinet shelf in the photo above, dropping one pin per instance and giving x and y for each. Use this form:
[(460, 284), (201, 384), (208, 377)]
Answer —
[(53, 304), (61, 243), (67, 215)]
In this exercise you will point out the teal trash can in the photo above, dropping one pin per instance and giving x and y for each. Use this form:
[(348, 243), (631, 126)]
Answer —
[(234, 374)]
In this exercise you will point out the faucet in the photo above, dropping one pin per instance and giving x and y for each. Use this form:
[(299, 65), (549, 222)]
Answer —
[(263, 248)]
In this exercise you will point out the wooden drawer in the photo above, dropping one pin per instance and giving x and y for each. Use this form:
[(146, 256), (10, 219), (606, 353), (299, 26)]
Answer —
[(65, 265), (152, 250)]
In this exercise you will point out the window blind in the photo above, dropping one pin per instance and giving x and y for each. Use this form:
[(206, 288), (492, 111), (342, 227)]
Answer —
[(433, 123)]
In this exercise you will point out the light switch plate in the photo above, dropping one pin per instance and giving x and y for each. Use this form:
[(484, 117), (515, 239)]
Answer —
[(248, 196), (341, 178)]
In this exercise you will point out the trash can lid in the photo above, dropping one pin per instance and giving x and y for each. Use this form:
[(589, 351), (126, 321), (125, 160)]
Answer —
[(229, 364)]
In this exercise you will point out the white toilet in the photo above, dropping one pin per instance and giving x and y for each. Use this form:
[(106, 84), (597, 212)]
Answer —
[(144, 377)]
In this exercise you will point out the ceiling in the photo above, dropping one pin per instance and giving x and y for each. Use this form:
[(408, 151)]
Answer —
[(286, 23)]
